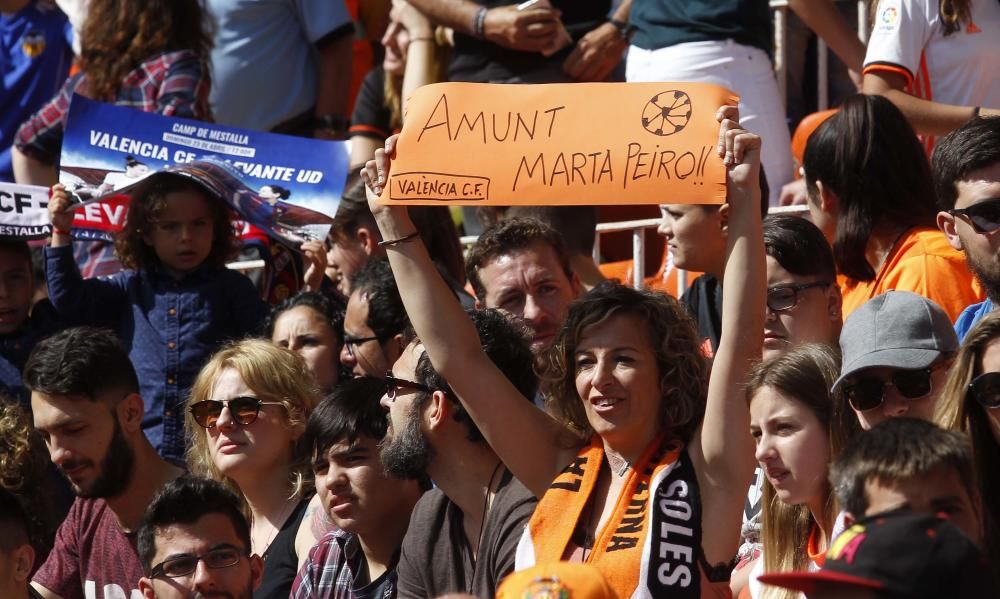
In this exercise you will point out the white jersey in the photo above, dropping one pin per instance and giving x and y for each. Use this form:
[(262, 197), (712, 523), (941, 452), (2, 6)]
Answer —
[(962, 68)]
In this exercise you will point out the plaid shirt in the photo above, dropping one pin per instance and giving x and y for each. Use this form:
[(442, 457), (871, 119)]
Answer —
[(170, 83), (331, 567)]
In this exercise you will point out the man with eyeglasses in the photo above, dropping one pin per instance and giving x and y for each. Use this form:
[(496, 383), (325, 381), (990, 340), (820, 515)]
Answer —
[(896, 350), (87, 408), (464, 533), (966, 168), (375, 321), (195, 542)]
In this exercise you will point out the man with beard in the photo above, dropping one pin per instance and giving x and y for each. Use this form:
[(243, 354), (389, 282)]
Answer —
[(966, 166), (521, 267), (371, 509), (464, 533), (86, 405), (195, 542)]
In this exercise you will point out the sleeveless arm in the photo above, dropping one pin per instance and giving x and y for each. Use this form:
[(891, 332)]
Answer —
[(722, 450), (525, 438)]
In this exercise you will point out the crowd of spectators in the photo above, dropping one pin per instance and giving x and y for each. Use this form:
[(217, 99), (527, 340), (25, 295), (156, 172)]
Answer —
[(817, 414)]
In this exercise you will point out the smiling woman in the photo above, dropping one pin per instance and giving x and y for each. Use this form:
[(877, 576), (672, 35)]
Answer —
[(246, 411)]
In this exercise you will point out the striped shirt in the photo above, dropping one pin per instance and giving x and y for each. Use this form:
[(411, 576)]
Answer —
[(170, 83)]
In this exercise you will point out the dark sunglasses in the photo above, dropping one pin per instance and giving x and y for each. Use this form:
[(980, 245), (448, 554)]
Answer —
[(175, 567), (984, 216), (786, 297), (243, 410), (985, 389), (392, 384), (869, 393)]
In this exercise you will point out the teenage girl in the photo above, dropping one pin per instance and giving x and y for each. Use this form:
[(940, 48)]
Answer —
[(176, 304), (798, 429)]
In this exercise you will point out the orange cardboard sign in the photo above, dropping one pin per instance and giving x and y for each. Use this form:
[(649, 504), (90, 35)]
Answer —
[(560, 144)]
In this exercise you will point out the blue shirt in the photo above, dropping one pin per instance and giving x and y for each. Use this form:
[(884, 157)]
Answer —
[(169, 327), (15, 348), (264, 51), (35, 55), (970, 316)]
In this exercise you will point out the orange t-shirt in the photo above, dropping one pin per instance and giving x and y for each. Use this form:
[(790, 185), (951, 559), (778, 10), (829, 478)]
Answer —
[(922, 262)]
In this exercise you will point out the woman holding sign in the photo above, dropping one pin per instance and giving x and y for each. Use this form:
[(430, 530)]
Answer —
[(643, 471)]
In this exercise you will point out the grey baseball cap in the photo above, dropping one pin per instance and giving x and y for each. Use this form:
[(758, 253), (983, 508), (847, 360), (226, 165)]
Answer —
[(897, 329)]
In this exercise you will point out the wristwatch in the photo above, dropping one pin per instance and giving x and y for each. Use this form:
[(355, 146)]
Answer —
[(625, 30)]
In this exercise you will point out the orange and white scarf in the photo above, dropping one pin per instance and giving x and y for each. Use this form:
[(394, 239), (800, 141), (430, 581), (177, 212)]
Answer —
[(650, 546)]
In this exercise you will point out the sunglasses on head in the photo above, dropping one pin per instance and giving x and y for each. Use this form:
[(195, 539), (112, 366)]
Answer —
[(985, 389), (868, 393), (243, 410), (984, 216)]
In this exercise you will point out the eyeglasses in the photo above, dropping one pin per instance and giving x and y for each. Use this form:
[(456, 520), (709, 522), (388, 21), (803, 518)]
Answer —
[(869, 393), (786, 297), (985, 389), (392, 384), (984, 216), (243, 410), (183, 565), (351, 342)]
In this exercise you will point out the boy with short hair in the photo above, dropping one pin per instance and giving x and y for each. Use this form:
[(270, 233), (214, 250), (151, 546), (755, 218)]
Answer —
[(17, 556), (912, 464), (370, 509)]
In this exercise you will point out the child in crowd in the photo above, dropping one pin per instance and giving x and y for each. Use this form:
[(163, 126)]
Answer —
[(797, 428), (175, 305), (21, 323)]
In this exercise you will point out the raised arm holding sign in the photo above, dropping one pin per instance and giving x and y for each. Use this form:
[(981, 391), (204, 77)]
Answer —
[(638, 417)]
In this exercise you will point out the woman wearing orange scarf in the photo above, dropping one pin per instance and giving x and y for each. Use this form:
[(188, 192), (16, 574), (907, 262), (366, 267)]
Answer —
[(644, 470)]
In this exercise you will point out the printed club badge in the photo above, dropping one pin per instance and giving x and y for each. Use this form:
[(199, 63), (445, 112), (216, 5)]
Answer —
[(33, 43)]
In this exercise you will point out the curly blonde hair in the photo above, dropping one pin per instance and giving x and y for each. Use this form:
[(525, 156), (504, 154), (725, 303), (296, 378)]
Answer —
[(24, 462), (272, 372), (682, 367)]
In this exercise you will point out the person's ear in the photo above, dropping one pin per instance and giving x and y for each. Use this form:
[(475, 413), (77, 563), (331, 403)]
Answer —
[(256, 571), (368, 240), (723, 213), (574, 284), (394, 348), (146, 588), (23, 559), (130, 412), (946, 222), (827, 200), (438, 410), (835, 303)]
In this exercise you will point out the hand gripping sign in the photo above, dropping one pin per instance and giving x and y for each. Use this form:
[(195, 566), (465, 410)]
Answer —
[(560, 144)]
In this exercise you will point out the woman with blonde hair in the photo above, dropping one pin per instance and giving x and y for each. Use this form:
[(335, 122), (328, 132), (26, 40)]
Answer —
[(247, 409), (798, 429), (970, 402)]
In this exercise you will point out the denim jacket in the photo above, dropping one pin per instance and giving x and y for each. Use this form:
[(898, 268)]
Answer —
[(169, 327)]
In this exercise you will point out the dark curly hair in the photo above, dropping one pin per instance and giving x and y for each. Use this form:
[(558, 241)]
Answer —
[(119, 34), (682, 366), (512, 235), (148, 201)]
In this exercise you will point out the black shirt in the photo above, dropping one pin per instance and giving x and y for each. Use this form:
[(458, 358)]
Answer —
[(481, 61), (663, 23), (703, 301), (371, 117)]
